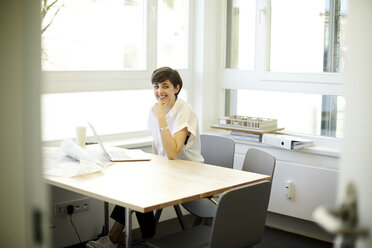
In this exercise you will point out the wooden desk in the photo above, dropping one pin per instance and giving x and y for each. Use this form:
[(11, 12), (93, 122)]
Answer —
[(150, 185)]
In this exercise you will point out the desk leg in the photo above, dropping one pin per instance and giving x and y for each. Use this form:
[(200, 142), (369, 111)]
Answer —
[(106, 212), (128, 227), (180, 216)]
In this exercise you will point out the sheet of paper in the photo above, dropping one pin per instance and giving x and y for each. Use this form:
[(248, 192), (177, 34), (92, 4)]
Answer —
[(71, 160)]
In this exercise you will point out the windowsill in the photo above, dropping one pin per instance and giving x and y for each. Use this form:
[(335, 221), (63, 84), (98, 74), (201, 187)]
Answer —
[(322, 145), (119, 140), (325, 146), (315, 149)]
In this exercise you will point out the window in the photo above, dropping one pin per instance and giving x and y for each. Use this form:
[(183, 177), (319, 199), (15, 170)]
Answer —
[(94, 35), (298, 53), (296, 112), (173, 33), (111, 112), (240, 40), (306, 36), (297, 35), (96, 65)]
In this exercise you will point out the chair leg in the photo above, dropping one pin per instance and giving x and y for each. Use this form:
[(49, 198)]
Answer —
[(157, 216), (180, 216), (177, 209), (208, 221), (197, 221)]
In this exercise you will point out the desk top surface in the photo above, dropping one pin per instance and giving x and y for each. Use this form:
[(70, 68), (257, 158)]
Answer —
[(150, 185)]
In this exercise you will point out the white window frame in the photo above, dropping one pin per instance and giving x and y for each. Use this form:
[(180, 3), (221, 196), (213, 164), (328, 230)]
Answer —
[(263, 79), (68, 81)]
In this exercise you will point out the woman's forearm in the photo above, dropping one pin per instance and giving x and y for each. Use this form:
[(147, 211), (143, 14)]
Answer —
[(172, 145)]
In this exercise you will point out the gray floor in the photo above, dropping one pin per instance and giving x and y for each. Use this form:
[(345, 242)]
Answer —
[(273, 238)]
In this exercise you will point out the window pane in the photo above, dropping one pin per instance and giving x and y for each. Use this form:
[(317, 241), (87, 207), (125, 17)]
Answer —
[(173, 33), (110, 112), (297, 35), (94, 35), (240, 41), (298, 113)]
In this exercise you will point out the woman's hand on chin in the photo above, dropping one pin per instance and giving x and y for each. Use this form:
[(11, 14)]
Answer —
[(159, 108)]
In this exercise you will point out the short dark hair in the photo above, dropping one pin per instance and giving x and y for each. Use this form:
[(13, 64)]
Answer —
[(166, 73)]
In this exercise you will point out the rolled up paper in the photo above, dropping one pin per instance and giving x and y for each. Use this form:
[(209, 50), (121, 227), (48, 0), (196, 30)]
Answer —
[(77, 152)]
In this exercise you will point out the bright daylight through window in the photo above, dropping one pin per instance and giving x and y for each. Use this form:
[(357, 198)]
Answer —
[(173, 33), (296, 112), (303, 37), (93, 35), (72, 109), (88, 43), (304, 33), (240, 42)]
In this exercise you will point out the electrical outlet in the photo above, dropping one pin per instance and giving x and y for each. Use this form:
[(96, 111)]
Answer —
[(289, 190), (79, 205)]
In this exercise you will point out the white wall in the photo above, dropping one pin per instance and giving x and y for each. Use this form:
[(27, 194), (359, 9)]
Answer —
[(206, 94), (88, 223), (314, 180)]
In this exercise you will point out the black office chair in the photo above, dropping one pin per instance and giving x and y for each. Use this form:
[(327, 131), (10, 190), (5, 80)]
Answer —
[(239, 222)]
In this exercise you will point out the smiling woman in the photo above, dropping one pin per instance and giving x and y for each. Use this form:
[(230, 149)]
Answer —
[(173, 123)]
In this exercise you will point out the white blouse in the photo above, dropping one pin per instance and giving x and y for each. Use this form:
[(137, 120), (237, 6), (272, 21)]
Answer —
[(180, 116)]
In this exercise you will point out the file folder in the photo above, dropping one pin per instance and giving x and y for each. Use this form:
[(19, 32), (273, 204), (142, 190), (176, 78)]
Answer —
[(286, 141)]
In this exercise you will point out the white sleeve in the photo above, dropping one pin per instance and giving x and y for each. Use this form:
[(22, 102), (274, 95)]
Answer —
[(190, 121)]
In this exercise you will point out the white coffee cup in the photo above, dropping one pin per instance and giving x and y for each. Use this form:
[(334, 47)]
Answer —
[(80, 135)]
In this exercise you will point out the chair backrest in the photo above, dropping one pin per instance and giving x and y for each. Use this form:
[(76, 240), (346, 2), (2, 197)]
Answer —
[(259, 161), (217, 150), (240, 217)]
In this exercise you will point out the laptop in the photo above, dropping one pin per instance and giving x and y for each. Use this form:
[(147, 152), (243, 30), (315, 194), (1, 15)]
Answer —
[(121, 155)]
